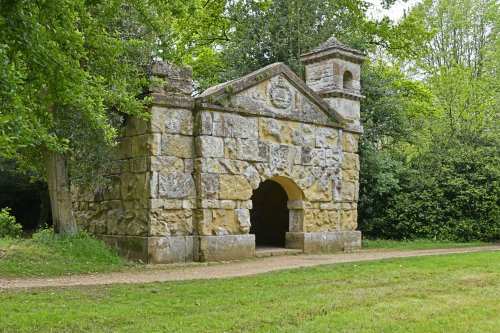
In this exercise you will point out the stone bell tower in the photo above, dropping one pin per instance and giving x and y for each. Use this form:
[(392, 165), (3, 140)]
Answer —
[(332, 70)]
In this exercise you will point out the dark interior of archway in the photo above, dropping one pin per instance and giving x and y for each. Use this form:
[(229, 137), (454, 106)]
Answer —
[(269, 215)]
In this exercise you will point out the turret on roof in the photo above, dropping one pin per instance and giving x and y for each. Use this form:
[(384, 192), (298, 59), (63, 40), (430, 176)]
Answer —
[(333, 47)]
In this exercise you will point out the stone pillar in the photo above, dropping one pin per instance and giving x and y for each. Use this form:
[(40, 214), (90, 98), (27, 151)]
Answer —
[(172, 189), (333, 71)]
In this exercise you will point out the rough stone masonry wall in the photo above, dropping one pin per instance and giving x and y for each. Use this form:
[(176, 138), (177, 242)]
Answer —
[(173, 189), (121, 207), (237, 153), (151, 190), (189, 172)]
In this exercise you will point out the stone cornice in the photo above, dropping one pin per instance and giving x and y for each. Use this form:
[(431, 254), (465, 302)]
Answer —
[(342, 93), (260, 113)]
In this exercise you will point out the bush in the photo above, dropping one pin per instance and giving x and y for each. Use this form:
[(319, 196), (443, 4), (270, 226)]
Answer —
[(450, 192), (8, 225)]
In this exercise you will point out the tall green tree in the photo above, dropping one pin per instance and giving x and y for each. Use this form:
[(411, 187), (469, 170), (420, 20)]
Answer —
[(446, 184), (70, 71), (264, 32)]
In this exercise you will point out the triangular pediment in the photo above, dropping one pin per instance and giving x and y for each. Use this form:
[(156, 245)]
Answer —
[(273, 91)]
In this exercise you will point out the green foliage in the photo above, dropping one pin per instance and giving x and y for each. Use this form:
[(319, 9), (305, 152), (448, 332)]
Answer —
[(8, 225), (430, 160), (63, 83), (264, 32), (49, 254)]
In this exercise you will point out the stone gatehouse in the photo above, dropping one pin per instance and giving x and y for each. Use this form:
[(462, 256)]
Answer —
[(266, 159)]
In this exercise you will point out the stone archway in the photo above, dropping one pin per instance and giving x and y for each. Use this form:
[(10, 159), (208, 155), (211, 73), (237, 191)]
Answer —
[(277, 210)]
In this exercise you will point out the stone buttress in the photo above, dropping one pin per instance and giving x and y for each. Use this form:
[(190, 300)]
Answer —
[(184, 184)]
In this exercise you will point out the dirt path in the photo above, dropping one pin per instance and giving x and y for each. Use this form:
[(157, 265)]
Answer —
[(194, 271)]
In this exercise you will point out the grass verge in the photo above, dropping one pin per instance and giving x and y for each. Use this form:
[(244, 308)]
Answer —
[(446, 293), (47, 254), (416, 244)]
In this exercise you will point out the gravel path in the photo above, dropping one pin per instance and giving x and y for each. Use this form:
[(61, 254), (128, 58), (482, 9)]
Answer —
[(195, 271)]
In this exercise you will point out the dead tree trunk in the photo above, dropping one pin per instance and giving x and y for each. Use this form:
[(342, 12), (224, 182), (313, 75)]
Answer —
[(59, 192)]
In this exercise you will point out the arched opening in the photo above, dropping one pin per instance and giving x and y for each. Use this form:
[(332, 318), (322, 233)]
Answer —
[(347, 80), (269, 216)]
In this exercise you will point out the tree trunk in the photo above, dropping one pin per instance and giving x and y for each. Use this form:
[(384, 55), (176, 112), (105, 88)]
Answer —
[(59, 192), (44, 216)]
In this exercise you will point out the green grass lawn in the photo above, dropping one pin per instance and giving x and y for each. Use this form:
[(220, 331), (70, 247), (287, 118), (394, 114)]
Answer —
[(51, 255), (446, 293)]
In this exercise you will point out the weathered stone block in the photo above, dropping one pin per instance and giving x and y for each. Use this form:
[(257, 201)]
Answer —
[(177, 145), (350, 175), (228, 247), (135, 185), (124, 148), (350, 142), (176, 185), (281, 157), (136, 222), (171, 249), (246, 204), (296, 220), (209, 146), (178, 121), (207, 185), (270, 130), (313, 242), (135, 126), (203, 221), (247, 150), (227, 204), (165, 222), (253, 176), (243, 218), (349, 219), (234, 187), (349, 191), (167, 164), (327, 137), (234, 126), (320, 190), (304, 136), (350, 161), (208, 203), (235, 167), (165, 204), (145, 145), (129, 247), (224, 221)]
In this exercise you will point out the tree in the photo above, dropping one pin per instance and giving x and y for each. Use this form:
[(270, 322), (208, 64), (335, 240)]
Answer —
[(446, 182), (70, 71), (263, 32)]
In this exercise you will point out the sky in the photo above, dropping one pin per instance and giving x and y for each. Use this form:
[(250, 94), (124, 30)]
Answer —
[(395, 12)]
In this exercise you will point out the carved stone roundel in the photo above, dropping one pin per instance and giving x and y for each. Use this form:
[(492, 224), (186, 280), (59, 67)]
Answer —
[(281, 97)]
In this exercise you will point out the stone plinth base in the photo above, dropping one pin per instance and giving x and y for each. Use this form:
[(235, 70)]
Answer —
[(154, 250), (311, 242), (227, 247), (171, 249)]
